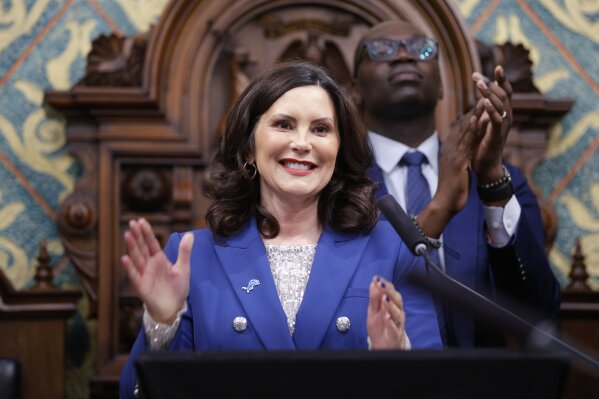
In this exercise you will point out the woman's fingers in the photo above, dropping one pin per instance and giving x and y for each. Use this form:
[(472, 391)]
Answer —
[(375, 294), (138, 259), (396, 314), (393, 302), (185, 247), (386, 318), (132, 272), (136, 231), (149, 237)]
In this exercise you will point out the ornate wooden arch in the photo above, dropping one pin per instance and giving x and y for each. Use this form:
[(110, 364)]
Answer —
[(145, 120)]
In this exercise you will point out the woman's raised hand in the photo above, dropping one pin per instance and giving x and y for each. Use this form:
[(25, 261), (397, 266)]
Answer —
[(386, 320), (162, 286)]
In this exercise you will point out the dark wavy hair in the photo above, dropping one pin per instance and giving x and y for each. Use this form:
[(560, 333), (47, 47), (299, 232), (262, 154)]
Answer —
[(346, 203)]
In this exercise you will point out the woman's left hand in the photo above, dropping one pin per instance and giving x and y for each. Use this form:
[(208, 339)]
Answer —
[(386, 318)]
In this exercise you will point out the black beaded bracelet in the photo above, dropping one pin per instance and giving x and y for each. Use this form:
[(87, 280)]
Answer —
[(506, 178), (433, 242), (497, 190), (499, 193)]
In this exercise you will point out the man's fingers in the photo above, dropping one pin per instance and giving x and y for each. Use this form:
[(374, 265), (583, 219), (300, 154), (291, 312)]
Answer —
[(493, 93), (473, 135), (478, 110), (494, 115), (502, 81), (499, 74)]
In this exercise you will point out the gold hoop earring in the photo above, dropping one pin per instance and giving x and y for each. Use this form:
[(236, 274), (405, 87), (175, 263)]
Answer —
[(250, 169)]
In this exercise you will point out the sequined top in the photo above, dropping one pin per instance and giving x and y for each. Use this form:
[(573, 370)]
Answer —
[(290, 266)]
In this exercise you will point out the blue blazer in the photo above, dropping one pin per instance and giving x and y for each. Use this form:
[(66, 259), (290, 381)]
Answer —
[(519, 271), (342, 270)]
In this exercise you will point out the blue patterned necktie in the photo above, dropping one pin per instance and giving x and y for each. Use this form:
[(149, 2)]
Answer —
[(418, 195)]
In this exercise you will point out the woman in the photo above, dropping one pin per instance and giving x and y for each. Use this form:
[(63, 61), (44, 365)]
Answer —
[(292, 222)]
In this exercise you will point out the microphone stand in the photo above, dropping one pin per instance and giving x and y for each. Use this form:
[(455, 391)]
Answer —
[(439, 282), (536, 337)]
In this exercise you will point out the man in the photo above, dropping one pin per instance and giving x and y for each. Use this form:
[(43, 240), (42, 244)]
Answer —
[(492, 241)]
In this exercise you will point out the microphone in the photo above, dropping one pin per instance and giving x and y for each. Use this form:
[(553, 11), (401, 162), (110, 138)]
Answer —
[(444, 285), (403, 225)]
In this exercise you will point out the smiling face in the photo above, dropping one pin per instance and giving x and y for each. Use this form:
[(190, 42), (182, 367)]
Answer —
[(405, 84), (296, 145)]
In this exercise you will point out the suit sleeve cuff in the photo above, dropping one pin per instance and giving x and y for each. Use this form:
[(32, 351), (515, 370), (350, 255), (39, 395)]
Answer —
[(159, 335), (502, 222)]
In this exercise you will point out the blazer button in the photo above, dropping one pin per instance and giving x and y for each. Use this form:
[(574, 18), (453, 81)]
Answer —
[(240, 324), (343, 324)]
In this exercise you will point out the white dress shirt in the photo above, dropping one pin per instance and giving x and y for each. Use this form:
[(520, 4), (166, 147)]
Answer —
[(501, 222)]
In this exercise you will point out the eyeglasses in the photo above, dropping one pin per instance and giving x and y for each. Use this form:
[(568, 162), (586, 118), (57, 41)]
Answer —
[(421, 48)]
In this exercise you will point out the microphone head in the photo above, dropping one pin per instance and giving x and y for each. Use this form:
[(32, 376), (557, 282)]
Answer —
[(402, 224)]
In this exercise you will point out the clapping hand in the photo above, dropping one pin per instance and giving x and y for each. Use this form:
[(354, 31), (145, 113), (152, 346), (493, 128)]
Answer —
[(386, 320), (162, 286), (494, 125), (455, 161)]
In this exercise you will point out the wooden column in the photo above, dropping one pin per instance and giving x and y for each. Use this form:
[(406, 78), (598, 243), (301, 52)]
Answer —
[(32, 329)]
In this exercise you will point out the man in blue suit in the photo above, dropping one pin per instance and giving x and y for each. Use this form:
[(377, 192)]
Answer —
[(495, 243)]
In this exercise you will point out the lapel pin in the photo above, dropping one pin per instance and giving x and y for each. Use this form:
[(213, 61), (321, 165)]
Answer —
[(253, 283)]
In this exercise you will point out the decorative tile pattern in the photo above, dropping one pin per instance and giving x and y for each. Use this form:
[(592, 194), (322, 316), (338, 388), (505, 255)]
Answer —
[(563, 37)]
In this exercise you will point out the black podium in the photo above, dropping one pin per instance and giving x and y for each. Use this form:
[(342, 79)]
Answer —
[(446, 374)]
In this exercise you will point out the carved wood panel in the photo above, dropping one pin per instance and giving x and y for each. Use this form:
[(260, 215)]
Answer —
[(33, 329)]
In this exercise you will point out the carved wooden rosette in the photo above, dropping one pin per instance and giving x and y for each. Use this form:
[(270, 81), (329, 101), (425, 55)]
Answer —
[(146, 119)]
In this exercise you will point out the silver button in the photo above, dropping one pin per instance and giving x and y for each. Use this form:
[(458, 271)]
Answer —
[(343, 324), (240, 324)]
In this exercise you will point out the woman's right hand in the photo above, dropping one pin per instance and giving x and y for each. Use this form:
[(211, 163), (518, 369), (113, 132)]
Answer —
[(162, 286)]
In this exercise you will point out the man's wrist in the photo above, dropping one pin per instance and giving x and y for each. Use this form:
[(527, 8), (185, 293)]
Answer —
[(493, 174), (497, 192)]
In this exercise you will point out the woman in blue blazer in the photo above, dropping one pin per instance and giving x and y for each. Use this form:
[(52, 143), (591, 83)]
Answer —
[(294, 257)]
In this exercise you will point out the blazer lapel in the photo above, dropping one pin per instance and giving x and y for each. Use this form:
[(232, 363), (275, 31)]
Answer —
[(461, 239), (244, 259), (332, 270)]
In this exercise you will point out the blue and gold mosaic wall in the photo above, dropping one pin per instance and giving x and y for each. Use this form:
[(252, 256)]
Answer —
[(563, 39), (43, 45)]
